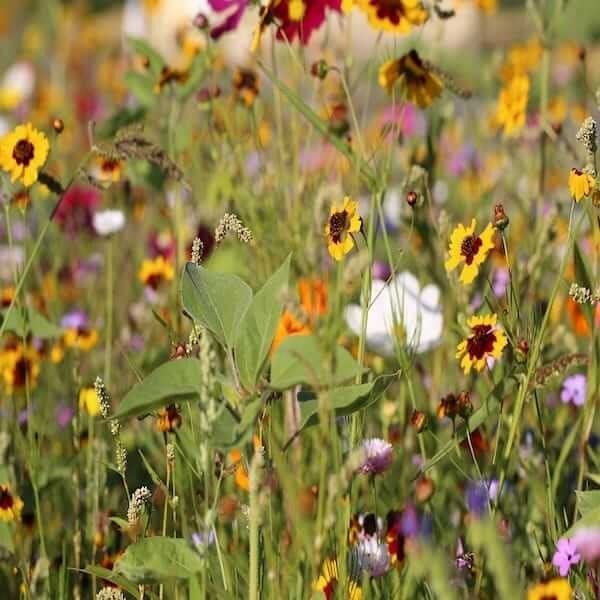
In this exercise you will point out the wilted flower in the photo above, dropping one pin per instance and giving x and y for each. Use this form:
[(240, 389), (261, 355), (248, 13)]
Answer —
[(23, 152), (581, 184), (344, 220), (469, 249), (485, 341), (378, 456), (107, 222), (573, 390), (565, 557)]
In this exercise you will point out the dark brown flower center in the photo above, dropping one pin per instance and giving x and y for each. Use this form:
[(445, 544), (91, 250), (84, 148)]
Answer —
[(549, 597), (153, 281), (338, 224), (22, 370), (392, 10), (470, 247), (23, 152), (6, 499), (481, 342)]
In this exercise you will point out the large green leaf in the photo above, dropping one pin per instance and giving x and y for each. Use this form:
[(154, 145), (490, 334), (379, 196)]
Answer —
[(141, 86), (219, 301), (117, 579), (301, 359), (174, 381), (158, 559), (230, 433), (25, 321), (259, 326), (155, 60)]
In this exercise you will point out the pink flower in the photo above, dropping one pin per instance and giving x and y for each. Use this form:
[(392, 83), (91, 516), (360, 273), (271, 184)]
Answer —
[(314, 16), (76, 211), (587, 543), (235, 9), (565, 556), (377, 456)]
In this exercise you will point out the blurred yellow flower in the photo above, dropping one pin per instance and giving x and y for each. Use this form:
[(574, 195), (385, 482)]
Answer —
[(343, 221), (154, 272), (512, 105), (89, 401), (486, 341), (397, 16), (556, 589), (81, 338), (469, 249), (580, 184), (23, 153), (19, 365), (10, 504)]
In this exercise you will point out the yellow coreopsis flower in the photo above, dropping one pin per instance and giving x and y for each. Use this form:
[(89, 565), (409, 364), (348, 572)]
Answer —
[(154, 272), (581, 184), (343, 221), (397, 16), (19, 365), (89, 401), (23, 152), (557, 589), (485, 341), (512, 105), (419, 84), (81, 338), (10, 504), (469, 249)]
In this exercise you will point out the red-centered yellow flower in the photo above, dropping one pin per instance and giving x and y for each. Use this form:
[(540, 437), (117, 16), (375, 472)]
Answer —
[(343, 221), (19, 365), (580, 184), (486, 341), (417, 82), (10, 504), (6, 296), (555, 589), (469, 249), (512, 105), (80, 338), (154, 272), (328, 580), (23, 152), (396, 16), (107, 170), (246, 86)]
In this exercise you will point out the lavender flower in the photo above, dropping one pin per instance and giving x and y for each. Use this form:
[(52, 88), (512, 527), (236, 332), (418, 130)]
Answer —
[(587, 543), (565, 556), (574, 390), (377, 456)]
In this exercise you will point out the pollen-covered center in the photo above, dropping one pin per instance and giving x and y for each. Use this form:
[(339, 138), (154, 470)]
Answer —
[(6, 499), (23, 152), (392, 10), (481, 342), (470, 247), (338, 225)]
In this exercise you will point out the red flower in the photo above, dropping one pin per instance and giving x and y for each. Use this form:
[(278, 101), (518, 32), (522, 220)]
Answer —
[(313, 18)]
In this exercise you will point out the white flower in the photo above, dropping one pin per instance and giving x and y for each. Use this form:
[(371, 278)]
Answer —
[(17, 85), (400, 310), (371, 555), (106, 222)]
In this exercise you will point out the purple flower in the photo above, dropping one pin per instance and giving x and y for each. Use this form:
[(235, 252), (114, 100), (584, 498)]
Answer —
[(236, 10), (76, 319), (377, 456), (477, 497), (64, 413), (202, 539), (573, 390), (587, 543), (500, 281), (566, 555), (381, 270)]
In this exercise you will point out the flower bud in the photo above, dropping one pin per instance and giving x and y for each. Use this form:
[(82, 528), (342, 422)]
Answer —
[(418, 420), (411, 198), (58, 125), (522, 350), (464, 404), (424, 488), (500, 218), (319, 69), (200, 21)]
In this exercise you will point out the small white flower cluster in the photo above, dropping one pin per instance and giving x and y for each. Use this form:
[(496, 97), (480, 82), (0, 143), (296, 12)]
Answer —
[(103, 396), (231, 223), (583, 295), (115, 427), (587, 135), (137, 504), (197, 250), (110, 593), (171, 453)]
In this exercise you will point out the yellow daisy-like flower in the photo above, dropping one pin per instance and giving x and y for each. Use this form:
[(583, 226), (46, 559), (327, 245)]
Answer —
[(580, 184), (107, 170), (512, 105), (469, 249), (81, 338), (486, 341), (343, 221), (397, 16), (10, 504), (154, 272), (23, 152), (89, 401), (328, 579), (19, 365), (555, 589), (419, 84)]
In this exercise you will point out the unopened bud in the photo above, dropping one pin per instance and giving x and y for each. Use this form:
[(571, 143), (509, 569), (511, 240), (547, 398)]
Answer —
[(418, 420), (424, 488), (200, 21), (500, 218), (522, 350), (411, 198), (465, 406), (319, 69), (58, 125)]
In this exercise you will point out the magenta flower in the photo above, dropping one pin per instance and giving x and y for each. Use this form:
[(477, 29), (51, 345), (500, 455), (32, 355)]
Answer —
[(235, 10), (566, 555), (587, 543), (573, 390), (76, 210), (377, 456), (314, 16)]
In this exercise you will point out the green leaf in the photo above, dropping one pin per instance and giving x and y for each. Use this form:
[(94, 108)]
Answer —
[(141, 86), (117, 579), (582, 276), (6, 536), (195, 76), (219, 301), (174, 381), (259, 326), (156, 61), (158, 559), (588, 501), (25, 321), (229, 433), (300, 359)]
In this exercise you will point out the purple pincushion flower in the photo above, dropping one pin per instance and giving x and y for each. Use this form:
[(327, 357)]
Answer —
[(377, 456), (574, 389), (566, 555)]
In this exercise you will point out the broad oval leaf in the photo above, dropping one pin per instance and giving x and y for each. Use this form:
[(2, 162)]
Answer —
[(218, 301), (174, 381), (300, 359), (229, 433), (158, 559), (25, 321), (259, 326)]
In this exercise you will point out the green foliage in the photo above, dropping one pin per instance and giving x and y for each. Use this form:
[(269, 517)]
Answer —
[(25, 321)]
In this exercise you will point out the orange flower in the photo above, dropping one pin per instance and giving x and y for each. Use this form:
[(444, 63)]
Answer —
[(241, 474), (313, 296), (288, 325), (577, 318)]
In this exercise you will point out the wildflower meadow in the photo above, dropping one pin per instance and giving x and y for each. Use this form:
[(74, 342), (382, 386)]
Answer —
[(299, 299)]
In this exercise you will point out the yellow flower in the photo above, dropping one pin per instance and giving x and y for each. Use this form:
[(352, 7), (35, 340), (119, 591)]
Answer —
[(89, 401), (512, 105), (580, 184), (555, 589), (296, 10), (6, 296), (486, 341), (397, 16), (417, 82), (468, 248), (522, 59), (155, 271), (328, 579), (107, 170), (81, 338), (19, 365), (10, 505), (246, 86), (343, 221), (23, 153)]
